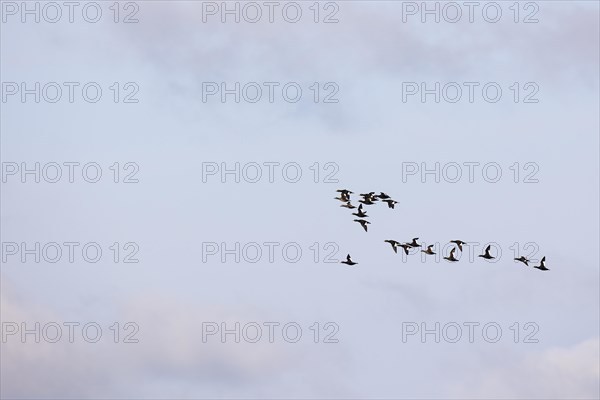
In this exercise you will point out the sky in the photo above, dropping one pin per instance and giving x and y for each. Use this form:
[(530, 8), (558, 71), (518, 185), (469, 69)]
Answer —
[(225, 213)]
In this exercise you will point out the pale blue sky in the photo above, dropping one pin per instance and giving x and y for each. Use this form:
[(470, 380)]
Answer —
[(369, 134)]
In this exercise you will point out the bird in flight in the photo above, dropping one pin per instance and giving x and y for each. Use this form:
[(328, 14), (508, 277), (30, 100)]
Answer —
[(348, 261), (406, 248), (542, 265), (487, 254), (390, 202), (523, 259), (348, 205), (429, 250), (459, 243), (345, 192), (382, 196), (343, 198), (367, 200), (394, 244), (413, 243), (451, 256), (360, 213), (363, 223)]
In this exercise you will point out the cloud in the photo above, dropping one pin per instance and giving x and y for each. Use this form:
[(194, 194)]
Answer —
[(555, 373), (170, 359)]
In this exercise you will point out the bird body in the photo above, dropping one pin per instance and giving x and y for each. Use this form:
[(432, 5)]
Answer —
[(360, 213), (429, 250), (394, 244), (348, 261), (459, 243), (542, 265), (451, 256), (406, 248), (413, 243), (390, 202), (342, 198), (363, 223), (487, 254), (523, 259), (348, 205)]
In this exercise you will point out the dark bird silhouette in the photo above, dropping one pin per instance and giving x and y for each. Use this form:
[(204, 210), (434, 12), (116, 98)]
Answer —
[(394, 244), (345, 192), (451, 256), (348, 205), (459, 243), (369, 198), (382, 196), (542, 265), (523, 260), (360, 212), (391, 203), (487, 255), (429, 250), (406, 248), (413, 243), (342, 198), (368, 201), (348, 261), (363, 223)]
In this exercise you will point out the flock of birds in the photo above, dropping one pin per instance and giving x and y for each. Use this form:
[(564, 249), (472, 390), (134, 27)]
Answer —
[(372, 198)]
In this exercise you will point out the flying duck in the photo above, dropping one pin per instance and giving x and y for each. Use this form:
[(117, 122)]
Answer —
[(383, 196), (413, 243), (345, 192), (348, 261), (406, 248), (343, 198), (394, 244), (360, 212), (348, 205), (523, 260), (363, 223), (451, 256), (459, 243), (428, 251), (487, 255), (542, 265), (391, 203), (367, 200)]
